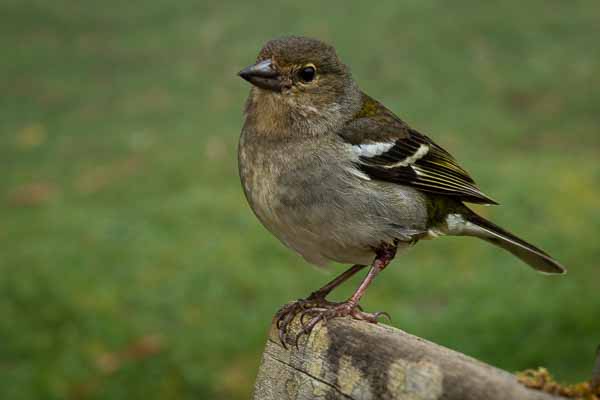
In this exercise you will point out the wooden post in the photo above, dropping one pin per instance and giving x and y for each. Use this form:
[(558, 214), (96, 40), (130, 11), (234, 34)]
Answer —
[(355, 360)]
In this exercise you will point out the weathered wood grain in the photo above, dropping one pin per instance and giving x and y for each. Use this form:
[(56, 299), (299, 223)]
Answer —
[(348, 359)]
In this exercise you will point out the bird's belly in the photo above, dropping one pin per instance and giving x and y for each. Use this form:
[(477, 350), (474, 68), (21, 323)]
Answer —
[(318, 238), (324, 225), (301, 227)]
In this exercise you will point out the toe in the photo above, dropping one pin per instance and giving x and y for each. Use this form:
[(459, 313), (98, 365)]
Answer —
[(369, 317)]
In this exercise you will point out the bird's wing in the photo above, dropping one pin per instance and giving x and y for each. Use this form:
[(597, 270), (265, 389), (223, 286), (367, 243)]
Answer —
[(388, 149)]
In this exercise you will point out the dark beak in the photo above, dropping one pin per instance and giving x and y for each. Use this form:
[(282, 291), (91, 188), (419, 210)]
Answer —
[(263, 75)]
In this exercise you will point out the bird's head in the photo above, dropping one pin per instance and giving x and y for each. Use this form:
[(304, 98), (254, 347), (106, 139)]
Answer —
[(301, 75)]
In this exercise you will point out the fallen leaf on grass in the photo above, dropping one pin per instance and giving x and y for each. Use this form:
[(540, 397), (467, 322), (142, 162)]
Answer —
[(146, 346), (99, 177), (31, 136), (33, 194)]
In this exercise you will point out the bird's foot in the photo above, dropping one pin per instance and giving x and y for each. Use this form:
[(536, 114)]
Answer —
[(287, 313), (344, 309), (313, 311)]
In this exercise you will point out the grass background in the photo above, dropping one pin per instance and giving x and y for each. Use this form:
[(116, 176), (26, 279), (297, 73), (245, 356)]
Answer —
[(130, 264)]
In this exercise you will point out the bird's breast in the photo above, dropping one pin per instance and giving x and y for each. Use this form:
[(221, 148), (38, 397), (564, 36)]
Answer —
[(261, 166), (290, 191)]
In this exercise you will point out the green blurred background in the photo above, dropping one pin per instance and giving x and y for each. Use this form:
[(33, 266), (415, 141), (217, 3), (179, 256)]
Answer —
[(130, 264)]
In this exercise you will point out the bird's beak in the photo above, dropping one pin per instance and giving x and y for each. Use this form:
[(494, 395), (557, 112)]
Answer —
[(263, 75)]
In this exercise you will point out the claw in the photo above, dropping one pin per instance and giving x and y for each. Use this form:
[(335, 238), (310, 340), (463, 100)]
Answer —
[(283, 328), (369, 317), (284, 317), (303, 315), (297, 338), (384, 314), (308, 328), (282, 338), (309, 312)]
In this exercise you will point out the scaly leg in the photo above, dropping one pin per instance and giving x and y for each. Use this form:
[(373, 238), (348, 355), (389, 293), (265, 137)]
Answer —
[(337, 281)]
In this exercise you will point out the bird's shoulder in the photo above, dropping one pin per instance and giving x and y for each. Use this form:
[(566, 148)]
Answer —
[(373, 122), (387, 148)]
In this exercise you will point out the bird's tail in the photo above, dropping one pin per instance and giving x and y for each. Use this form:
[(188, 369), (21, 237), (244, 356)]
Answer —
[(470, 224)]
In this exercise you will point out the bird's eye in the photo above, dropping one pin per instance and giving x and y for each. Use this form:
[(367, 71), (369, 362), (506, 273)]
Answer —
[(307, 73)]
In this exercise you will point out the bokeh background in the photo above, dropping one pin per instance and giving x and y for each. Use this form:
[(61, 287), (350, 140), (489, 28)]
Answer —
[(130, 264)]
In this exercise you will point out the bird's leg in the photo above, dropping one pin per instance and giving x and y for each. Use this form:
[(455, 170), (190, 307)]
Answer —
[(343, 277), (316, 300), (384, 255)]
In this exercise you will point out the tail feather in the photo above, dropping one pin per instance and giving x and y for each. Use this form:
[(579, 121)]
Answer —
[(528, 253)]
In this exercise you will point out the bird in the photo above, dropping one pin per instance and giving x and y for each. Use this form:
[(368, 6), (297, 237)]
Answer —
[(338, 177)]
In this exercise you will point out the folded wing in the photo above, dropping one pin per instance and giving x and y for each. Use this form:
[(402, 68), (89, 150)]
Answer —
[(387, 149)]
